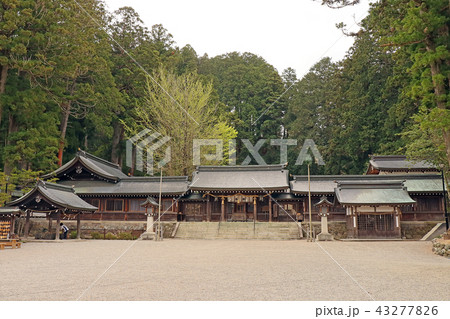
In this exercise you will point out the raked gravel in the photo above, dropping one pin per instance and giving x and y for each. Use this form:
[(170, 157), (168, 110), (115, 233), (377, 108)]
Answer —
[(223, 270)]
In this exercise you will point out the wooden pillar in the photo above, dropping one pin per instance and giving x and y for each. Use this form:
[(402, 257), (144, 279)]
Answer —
[(49, 222), (255, 212), (355, 222), (27, 224), (270, 208), (58, 221), (13, 225), (222, 216), (397, 215), (208, 209), (79, 226)]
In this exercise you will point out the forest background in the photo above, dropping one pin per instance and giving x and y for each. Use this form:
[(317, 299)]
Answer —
[(73, 75)]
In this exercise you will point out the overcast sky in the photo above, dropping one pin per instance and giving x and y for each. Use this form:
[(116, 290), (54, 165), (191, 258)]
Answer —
[(286, 33)]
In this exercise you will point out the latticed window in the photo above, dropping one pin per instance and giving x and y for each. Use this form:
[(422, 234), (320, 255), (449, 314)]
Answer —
[(114, 205), (167, 205), (135, 205), (376, 222)]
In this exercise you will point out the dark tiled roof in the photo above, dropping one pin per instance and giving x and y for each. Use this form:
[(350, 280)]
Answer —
[(397, 163), (323, 201), (96, 165), (14, 210), (245, 177), (150, 201), (386, 192), (325, 184), (59, 195), (132, 186)]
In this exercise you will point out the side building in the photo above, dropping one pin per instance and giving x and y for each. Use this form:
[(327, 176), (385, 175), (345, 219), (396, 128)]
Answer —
[(118, 196)]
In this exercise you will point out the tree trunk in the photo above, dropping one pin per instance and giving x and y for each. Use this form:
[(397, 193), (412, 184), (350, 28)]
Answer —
[(3, 77), (439, 92), (117, 137), (12, 128), (65, 109)]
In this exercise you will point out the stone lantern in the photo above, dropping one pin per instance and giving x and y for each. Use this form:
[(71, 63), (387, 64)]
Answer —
[(324, 210), (150, 210)]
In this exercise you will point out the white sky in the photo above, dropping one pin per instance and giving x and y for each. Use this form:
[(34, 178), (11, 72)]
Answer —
[(286, 33)]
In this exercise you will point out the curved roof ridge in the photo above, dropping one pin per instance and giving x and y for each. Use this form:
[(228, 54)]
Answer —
[(98, 159), (240, 167), (154, 178), (60, 195), (55, 186), (388, 157)]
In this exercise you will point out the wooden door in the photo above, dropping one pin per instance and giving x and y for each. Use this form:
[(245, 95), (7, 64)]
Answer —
[(376, 226)]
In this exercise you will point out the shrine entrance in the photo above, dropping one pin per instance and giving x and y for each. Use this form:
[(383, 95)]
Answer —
[(377, 226)]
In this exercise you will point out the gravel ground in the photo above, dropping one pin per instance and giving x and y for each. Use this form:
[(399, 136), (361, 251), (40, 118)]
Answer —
[(223, 270)]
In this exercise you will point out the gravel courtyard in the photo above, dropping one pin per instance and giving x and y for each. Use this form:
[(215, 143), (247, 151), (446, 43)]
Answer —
[(223, 270)]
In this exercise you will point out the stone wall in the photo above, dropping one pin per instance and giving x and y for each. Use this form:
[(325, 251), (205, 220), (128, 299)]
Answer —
[(338, 229), (416, 230), (39, 228), (335, 228)]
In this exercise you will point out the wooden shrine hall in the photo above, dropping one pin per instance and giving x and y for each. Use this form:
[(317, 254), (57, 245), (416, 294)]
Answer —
[(52, 201), (373, 208), (237, 193), (250, 193)]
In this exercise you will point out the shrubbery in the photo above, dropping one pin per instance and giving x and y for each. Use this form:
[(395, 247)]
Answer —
[(73, 234), (111, 236), (126, 236), (96, 235)]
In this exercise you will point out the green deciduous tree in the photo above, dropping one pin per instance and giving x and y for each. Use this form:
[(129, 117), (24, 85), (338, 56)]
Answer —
[(180, 107)]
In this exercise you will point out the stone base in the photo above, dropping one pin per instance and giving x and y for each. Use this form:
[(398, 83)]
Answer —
[(324, 237), (148, 236)]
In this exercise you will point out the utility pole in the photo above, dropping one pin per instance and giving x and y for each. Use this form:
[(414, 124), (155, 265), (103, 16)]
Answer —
[(444, 197), (159, 235), (309, 206)]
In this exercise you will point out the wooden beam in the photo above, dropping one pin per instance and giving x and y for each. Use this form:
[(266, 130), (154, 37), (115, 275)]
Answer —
[(13, 225), (58, 221), (27, 225), (222, 215), (49, 222), (208, 209), (255, 213), (79, 226), (270, 208)]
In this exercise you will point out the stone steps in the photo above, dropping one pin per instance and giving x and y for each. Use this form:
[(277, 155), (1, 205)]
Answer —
[(238, 230)]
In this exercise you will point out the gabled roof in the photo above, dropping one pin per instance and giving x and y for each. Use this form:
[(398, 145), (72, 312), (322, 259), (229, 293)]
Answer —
[(391, 192), (94, 164), (399, 163), (323, 201), (325, 184), (240, 177), (59, 196), (131, 186), (150, 201)]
